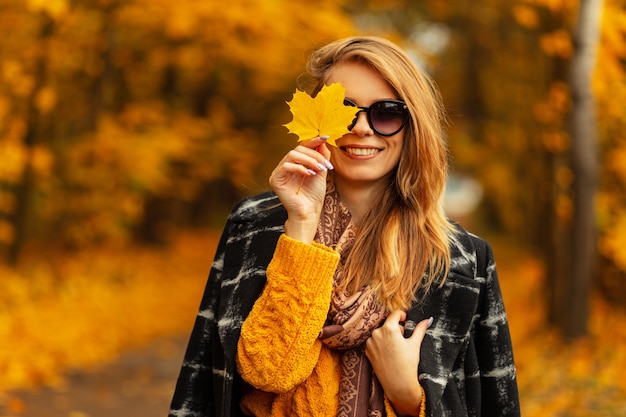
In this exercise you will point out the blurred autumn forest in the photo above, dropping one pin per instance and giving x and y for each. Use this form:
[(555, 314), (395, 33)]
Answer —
[(125, 125)]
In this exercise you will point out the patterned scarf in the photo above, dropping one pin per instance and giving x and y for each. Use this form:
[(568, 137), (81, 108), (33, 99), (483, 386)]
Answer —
[(351, 319)]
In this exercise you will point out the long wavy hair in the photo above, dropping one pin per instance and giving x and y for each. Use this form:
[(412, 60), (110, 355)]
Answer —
[(403, 242)]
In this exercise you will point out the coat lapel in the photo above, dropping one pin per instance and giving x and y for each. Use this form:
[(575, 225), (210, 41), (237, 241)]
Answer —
[(453, 307)]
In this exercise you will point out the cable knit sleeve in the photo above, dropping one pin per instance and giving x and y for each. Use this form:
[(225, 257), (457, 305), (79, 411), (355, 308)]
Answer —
[(279, 347)]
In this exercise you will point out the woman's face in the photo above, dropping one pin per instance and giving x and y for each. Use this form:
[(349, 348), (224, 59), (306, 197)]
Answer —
[(363, 158)]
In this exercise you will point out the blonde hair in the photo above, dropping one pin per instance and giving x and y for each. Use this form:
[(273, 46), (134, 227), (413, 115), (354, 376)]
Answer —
[(403, 242)]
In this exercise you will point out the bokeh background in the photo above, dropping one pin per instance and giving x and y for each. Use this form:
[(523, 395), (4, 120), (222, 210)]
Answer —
[(128, 128)]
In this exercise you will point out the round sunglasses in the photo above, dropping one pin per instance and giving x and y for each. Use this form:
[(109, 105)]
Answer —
[(385, 117)]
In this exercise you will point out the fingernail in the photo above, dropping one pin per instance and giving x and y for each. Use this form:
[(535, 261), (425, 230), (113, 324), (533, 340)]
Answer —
[(328, 164), (325, 137), (430, 322), (322, 167), (311, 172)]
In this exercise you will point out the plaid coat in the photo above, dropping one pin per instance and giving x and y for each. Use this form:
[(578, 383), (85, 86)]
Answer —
[(466, 365)]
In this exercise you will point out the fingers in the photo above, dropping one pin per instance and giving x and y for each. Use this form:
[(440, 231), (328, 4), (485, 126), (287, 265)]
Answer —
[(397, 320), (392, 327), (322, 149), (395, 360), (420, 330), (308, 158), (302, 163), (312, 154), (396, 316), (319, 145)]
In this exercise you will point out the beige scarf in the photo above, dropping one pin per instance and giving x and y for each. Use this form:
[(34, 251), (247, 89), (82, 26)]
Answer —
[(351, 319)]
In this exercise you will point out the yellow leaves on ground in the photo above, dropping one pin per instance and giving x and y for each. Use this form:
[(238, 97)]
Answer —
[(324, 114), (81, 311)]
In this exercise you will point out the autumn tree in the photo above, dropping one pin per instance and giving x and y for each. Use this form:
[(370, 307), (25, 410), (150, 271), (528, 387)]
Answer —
[(112, 111), (576, 245), (23, 102)]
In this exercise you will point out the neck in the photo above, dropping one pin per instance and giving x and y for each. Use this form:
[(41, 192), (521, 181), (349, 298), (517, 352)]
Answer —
[(358, 198)]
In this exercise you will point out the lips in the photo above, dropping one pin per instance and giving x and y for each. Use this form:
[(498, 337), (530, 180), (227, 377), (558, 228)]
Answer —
[(361, 151)]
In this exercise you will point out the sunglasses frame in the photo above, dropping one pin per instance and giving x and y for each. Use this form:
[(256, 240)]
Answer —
[(367, 111)]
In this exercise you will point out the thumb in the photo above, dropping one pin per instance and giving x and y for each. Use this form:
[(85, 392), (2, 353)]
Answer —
[(420, 330), (315, 142)]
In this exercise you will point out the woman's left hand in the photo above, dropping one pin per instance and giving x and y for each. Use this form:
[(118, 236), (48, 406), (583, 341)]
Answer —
[(395, 359)]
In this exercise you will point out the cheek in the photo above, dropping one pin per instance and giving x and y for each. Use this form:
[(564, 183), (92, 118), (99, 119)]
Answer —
[(334, 151), (395, 145)]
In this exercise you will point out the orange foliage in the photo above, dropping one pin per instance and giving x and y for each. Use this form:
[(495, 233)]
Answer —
[(129, 99), (555, 6), (525, 16), (115, 102), (610, 89), (557, 378), (558, 43), (55, 8)]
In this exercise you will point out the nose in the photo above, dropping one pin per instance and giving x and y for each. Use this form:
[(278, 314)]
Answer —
[(362, 127)]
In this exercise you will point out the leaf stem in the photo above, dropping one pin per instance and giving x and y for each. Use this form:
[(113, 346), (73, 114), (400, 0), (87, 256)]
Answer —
[(300, 186)]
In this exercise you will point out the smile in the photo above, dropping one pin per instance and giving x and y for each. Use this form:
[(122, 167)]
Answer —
[(361, 151)]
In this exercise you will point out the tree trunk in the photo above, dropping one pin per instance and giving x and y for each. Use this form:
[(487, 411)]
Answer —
[(579, 248), (23, 189)]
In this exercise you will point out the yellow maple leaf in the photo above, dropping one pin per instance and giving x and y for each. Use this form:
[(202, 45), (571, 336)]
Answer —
[(323, 115)]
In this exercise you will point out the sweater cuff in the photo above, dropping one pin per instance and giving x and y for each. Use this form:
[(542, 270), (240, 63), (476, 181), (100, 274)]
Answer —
[(295, 258), (423, 404), (392, 412)]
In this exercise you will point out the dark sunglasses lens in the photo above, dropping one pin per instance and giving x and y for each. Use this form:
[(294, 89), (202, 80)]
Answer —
[(388, 116)]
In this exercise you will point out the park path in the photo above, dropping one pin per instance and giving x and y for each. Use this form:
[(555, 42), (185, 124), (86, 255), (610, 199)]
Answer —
[(139, 384)]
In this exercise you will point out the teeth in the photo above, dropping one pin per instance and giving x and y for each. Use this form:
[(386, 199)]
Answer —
[(361, 151)]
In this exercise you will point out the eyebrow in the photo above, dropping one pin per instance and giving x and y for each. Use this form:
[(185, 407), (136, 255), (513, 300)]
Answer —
[(353, 101)]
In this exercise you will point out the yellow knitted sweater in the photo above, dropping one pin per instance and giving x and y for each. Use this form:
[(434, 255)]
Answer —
[(279, 354)]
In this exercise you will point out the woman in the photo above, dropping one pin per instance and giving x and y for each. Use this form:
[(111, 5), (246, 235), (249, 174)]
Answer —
[(349, 293)]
